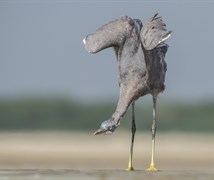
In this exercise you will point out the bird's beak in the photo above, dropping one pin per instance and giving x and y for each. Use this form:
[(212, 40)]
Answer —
[(98, 132)]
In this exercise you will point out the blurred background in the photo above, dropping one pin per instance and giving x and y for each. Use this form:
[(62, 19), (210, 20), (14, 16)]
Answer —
[(49, 84)]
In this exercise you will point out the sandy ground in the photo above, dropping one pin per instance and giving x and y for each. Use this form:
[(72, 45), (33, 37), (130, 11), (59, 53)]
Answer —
[(82, 155), (65, 174)]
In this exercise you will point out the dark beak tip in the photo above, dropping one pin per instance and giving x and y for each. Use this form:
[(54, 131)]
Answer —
[(98, 132), (95, 133)]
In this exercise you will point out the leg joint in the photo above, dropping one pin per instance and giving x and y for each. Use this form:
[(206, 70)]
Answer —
[(133, 127)]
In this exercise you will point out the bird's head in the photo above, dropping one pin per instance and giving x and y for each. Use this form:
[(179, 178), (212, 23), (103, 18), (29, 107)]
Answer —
[(107, 127)]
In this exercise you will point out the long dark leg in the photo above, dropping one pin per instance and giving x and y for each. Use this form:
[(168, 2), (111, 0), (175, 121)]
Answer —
[(152, 165), (130, 166)]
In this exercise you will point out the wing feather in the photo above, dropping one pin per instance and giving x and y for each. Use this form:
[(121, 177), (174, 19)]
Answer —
[(154, 32)]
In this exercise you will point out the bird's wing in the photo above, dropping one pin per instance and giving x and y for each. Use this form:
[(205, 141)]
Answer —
[(154, 32), (109, 35)]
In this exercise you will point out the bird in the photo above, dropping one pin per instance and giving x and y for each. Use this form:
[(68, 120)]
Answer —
[(140, 50)]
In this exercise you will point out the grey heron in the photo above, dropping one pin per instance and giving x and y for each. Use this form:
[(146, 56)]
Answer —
[(140, 51)]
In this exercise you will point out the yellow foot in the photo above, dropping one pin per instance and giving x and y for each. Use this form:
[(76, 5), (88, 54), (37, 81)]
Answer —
[(130, 168), (152, 168)]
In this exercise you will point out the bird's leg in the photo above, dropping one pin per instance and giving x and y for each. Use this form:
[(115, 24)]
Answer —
[(152, 165), (130, 166)]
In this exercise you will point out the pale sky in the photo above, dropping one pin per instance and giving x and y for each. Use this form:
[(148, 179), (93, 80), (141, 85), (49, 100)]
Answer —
[(41, 49)]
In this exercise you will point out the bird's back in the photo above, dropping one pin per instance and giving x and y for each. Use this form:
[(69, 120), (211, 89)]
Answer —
[(142, 71)]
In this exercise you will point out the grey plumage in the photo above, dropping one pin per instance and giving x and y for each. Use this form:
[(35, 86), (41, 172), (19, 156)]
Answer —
[(140, 50), (140, 56), (109, 35), (154, 32)]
